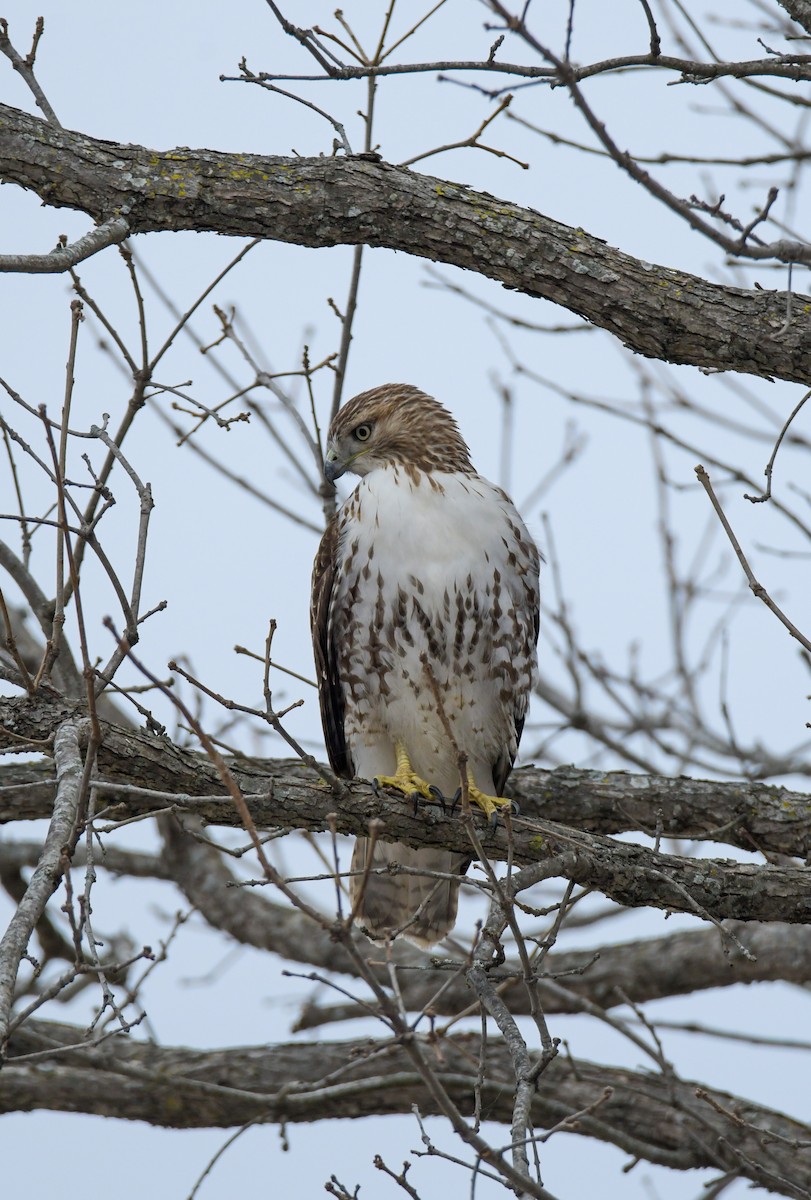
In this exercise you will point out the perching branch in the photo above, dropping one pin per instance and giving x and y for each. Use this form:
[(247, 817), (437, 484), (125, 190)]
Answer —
[(295, 799), (751, 815)]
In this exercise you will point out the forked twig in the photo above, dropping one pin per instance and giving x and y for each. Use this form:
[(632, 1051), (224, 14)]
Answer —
[(25, 67)]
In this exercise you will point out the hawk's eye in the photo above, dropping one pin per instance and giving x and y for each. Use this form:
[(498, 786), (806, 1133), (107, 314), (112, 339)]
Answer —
[(363, 433)]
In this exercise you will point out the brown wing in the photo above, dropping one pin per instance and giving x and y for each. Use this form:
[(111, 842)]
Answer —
[(504, 763), (330, 691)]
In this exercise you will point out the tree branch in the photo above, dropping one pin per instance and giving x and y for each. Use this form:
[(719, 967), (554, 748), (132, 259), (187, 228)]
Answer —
[(640, 970), (294, 798), (656, 311), (49, 869), (751, 816), (799, 11), (63, 257), (674, 1122)]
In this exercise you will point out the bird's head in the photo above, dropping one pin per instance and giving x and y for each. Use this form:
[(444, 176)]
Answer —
[(392, 425)]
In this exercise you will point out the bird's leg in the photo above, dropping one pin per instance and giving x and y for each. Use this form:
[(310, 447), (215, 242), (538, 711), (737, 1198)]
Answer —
[(405, 779), (490, 805)]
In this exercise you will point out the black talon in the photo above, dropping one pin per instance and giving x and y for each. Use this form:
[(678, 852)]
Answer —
[(515, 808), (416, 797), (493, 821), (376, 786), (455, 798), (438, 795)]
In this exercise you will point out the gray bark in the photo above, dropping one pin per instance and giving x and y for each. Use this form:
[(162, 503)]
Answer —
[(799, 11), (292, 798), (49, 869), (662, 1119), (752, 816), (657, 311), (639, 970)]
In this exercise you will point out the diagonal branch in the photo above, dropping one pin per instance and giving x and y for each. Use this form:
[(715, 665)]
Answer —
[(63, 257), (43, 882), (640, 970), (656, 311), (799, 11)]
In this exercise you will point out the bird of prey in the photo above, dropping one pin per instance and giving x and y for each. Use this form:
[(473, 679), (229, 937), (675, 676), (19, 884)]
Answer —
[(425, 623)]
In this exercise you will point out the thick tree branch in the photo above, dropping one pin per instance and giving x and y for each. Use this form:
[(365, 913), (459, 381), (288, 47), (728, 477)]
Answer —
[(640, 970), (799, 10), (631, 875), (673, 1121), (656, 311), (752, 816)]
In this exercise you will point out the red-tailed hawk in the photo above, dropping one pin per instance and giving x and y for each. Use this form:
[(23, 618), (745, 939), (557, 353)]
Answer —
[(425, 619)]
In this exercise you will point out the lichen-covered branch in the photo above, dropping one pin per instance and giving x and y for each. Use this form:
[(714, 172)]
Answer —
[(657, 311)]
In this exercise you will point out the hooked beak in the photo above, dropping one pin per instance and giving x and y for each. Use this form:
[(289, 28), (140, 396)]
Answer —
[(333, 467)]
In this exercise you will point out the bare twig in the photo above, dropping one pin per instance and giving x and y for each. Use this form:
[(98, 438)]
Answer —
[(756, 587), (67, 255), (770, 464), (25, 66)]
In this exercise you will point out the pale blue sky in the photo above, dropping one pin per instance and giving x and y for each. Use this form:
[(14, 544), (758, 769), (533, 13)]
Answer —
[(226, 563)]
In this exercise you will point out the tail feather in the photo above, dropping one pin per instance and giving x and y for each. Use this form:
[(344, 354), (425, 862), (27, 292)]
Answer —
[(415, 906)]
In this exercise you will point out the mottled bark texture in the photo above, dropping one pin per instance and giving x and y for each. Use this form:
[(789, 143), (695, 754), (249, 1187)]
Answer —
[(799, 10), (673, 1121), (657, 311), (639, 970), (288, 795)]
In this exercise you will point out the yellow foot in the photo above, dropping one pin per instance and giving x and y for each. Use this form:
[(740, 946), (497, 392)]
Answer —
[(490, 805), (405, 779)]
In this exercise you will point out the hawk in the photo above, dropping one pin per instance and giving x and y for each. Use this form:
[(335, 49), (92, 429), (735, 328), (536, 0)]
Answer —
[(425, 622)]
